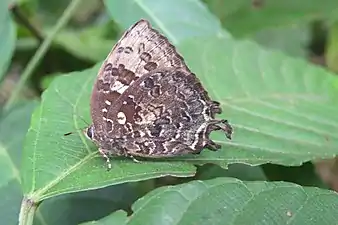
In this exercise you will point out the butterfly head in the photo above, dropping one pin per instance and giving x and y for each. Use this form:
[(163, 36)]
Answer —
[(89, 132)]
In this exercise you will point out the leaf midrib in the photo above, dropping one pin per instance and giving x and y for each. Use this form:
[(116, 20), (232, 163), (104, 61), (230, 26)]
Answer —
[(116, 181), (39, 192)]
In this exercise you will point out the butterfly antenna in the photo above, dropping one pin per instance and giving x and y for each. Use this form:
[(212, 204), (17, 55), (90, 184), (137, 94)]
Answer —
[(72, 132), (83, 120)]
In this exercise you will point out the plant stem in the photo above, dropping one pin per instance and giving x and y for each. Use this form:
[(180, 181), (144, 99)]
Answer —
[(21, 18), (41, 52), (27, 211)]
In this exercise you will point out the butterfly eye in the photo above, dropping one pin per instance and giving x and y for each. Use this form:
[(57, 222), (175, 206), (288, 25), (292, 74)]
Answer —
[(90, 132)]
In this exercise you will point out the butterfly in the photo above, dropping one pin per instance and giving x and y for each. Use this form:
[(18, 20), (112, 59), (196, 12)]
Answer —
[(146, 102)]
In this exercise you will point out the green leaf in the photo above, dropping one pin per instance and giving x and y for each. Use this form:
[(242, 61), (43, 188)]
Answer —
[(304, 175), (282, 25), (282, 109), (13, 127), (240, 171), (79, 207), (243, 18), (177, 19), (292, 40), (7, 37), (55, 164), (230, 201), (87, 41)]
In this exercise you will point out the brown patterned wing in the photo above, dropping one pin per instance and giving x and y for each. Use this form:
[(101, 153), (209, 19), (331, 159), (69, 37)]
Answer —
[(140, 50), (166, 113)]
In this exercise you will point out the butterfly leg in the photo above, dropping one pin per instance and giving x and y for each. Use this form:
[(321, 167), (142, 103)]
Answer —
[(104, 155), (133, 158), (127, 154)]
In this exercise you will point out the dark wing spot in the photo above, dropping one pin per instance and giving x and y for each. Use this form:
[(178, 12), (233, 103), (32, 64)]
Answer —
[(177, 125), (111, 96), (120, 49), (148, 83), (177, 77), (185, 116), (136, 116), (129, 127), (141, 48), (108, 67), (109, 126), (114, 72), (171, 90), (128, 50), (126, 77), (207, 111), (162, 121), (180, 96), (155, 91), (145, 56), (120, 68), (150, 66), (137, 134), (155, 130), (100, 85)]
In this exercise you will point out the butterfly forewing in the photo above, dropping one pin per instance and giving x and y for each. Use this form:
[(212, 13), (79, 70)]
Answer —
[(140, 50)]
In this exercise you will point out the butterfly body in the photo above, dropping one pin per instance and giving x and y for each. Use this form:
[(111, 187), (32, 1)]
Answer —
[(146, 102)]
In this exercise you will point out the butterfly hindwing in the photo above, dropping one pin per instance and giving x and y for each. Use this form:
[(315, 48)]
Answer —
[(164, 113)]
